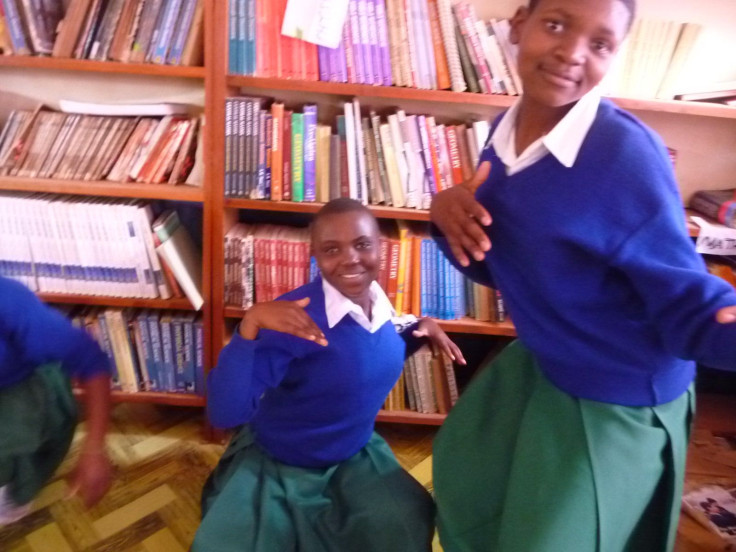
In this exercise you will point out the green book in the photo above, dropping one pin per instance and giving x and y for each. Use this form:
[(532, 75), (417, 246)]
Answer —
[(297, 157)]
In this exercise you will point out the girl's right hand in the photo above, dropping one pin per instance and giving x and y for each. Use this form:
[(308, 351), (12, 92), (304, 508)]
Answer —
[(461, 218), (282, 316)]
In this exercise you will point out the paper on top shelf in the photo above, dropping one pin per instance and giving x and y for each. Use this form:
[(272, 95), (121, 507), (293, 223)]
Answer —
[(319, 22), (140, 109), (714, 239)]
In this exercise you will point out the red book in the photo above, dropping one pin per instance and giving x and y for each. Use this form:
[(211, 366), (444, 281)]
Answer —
[(455, 164)]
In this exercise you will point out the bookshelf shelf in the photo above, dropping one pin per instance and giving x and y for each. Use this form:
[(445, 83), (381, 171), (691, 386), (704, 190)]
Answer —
[(172, 399), (464, 325), (380, 211), (702, 109), (368, 91), (409, 417), (103, 300), (149, 69), (103, 188)]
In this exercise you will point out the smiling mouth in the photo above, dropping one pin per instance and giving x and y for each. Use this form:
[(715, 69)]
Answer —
[(559, 79), (352, 276)]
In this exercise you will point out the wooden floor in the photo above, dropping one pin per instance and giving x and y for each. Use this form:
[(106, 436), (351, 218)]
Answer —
[(162, 462)]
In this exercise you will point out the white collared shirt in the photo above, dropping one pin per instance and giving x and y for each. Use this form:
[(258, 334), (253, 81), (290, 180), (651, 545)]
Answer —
[(563, 141), (337, 306)]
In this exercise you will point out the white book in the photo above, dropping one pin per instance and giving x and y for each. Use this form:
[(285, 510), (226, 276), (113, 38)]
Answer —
[(137, 248), (415, 179), (360, 153), (127, 109), (481, 129), (401, 162), (83, 239), (181, 254), (472, 146), (353, 179), (56, 280), (501, 29), (392, 168), (145, 221)]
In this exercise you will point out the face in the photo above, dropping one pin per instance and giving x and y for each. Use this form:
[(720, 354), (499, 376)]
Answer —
[(566, 47), (345, 246)]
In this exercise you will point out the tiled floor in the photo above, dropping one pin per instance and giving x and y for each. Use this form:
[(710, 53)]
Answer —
[(162, 462)]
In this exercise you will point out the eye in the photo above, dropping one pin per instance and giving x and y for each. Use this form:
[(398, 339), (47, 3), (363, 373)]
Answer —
[(602, 47), (329, 250), (364, 245), (554, 25)]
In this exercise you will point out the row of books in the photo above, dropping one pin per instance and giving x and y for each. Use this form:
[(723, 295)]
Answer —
[(150, 350), (43, 143), (401, 160), (718, 205), (426, 385), (265, 261), (97, 246), (427, 44), (651, 62), (136, 31)]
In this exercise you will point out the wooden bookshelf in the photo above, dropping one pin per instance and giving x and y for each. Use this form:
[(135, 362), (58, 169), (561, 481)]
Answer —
[(171, 399), (345, 90), (107, 301), (104, 188), (77, 65), (380, 211), (409, 417)]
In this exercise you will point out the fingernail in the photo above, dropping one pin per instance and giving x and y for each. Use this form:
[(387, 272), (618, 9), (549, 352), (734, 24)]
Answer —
[(730, 317)]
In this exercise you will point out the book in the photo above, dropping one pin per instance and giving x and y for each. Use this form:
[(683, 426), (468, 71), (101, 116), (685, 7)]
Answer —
[(181, 254), (713, 506), (715, 92), (719, 205), (137, 109)]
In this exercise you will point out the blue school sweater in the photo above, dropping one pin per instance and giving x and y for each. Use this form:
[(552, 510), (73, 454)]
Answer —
[(597, 269), (308, 405), (32, 334)]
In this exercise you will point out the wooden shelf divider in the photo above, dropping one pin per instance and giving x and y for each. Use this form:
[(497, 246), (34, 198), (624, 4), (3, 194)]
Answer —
[(62, 64)]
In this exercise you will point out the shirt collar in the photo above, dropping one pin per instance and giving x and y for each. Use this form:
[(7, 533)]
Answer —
[(337, 306), (563, 141)]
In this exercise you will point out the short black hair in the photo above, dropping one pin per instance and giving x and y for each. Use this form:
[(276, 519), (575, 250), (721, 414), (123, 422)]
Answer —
[(630, 5), (339, 206)]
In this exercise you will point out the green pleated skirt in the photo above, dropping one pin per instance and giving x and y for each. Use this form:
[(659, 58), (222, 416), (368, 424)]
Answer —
[(37, 421), (520, 466), (368, 503)]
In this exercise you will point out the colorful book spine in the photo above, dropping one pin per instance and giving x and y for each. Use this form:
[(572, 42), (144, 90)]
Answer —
[(384, 48), (297, 157), (310, 152)]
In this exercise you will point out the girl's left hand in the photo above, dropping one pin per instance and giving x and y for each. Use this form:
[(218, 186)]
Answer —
[(438, 340), (726, 315)]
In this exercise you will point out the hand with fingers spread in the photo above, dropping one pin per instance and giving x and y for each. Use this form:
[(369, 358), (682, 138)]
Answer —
[(438, 340), (282, 316), (461, 218)]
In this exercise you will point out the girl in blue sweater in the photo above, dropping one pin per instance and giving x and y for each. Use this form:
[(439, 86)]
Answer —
[(39, 351), (305, 377), (576, 439)]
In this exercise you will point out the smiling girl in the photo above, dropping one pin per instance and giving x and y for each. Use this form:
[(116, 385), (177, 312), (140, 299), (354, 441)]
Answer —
[(305, 377)]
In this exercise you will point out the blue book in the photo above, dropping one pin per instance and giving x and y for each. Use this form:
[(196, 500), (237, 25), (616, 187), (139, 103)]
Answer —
[(157, 353), (310, 152), (168, 370), (177, 334), (181, 32), (425, 268), (142, 323), (190, 380), (15, 28), (166, 30), (199, 377), (233, 37), (249, 57)]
